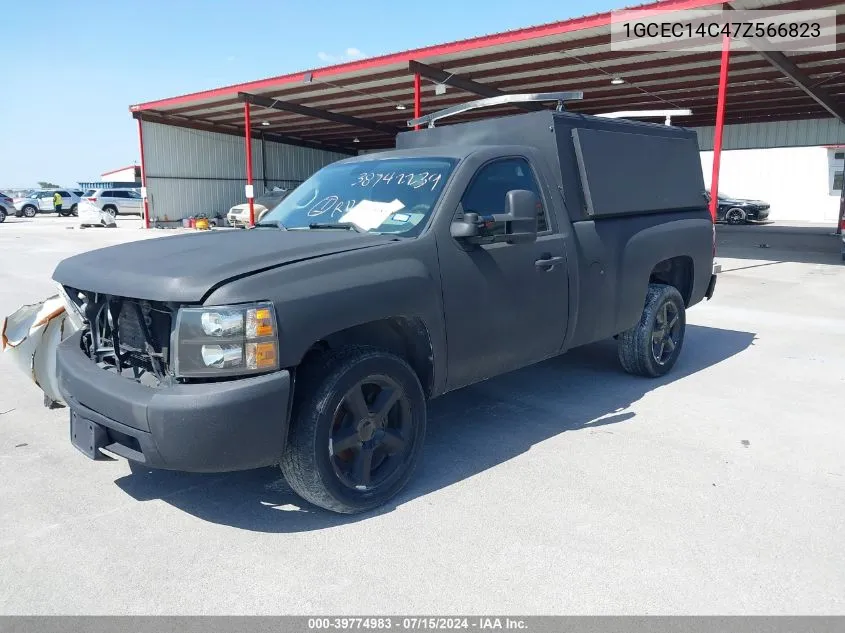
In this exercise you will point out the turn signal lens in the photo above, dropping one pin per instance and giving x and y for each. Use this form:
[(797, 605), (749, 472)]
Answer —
[(261, 355), (259, 323)]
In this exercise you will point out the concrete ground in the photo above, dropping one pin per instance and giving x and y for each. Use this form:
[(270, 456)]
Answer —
[(568, 487)]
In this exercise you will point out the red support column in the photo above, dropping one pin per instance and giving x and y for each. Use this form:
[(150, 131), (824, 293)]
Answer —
[(720, 124), (248, 132), (417, 99), (143, 175)]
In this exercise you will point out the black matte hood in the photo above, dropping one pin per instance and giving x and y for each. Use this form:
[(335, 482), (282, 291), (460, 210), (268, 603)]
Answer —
[(184, 268)]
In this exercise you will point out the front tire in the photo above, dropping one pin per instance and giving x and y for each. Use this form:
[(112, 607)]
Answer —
[(653, 345), (735, 216), (357, 429), (74, 210), (2, 215), (29, 211)]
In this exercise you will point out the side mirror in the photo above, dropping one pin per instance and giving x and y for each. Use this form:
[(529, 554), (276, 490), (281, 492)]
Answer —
[(466, 227), (520, 219), (521, 209)]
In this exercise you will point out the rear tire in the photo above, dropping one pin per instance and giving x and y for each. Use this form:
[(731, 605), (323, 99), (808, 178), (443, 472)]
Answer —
[(653, 345), (74, 211), (111, 210), (357, 429), (2, 215), (29, 211)]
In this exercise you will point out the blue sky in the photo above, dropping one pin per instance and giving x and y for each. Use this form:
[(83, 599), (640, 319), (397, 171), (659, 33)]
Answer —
[(69, 70)]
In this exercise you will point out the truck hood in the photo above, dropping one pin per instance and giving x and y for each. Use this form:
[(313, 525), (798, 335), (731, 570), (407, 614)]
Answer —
[(184, 268)]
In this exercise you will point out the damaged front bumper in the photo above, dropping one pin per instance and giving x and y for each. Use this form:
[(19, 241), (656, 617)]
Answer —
[(200, 427), (30, 337)]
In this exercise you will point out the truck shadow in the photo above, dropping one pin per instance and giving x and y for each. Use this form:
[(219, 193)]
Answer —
[(470, 431)]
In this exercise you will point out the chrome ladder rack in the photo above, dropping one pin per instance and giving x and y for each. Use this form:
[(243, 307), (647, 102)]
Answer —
[(539, 97)]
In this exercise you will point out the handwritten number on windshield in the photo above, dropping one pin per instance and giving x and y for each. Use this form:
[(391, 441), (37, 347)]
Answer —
[(415, 180)]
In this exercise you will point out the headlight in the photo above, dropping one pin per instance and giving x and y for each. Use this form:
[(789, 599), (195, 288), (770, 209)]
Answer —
[(223, 341)]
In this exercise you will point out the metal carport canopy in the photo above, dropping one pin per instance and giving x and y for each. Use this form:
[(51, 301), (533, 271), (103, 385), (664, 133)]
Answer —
[(568, 55)]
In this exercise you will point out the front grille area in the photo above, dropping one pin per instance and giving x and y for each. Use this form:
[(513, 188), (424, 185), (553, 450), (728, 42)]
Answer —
[(126, 335)]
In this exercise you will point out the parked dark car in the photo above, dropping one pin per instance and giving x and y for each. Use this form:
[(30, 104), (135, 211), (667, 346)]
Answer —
[(739, 210), (381, 282)]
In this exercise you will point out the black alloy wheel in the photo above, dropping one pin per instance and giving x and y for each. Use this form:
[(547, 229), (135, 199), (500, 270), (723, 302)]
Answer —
[(735, 216), (370, 433), (667, 332)]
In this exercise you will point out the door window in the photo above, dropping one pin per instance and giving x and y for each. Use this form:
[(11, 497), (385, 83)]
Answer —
[(487, 192)]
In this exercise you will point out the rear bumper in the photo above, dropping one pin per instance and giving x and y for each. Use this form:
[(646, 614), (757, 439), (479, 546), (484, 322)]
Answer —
[(711, 287), (207, 427)]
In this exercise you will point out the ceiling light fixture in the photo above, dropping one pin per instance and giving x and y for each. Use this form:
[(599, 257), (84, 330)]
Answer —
[(355, 140), (265, 123), (440, 89), (400, 106), (617, 80)]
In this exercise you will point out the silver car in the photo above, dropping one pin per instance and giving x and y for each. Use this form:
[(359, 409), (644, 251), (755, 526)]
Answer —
[(41, 201), (239, 214), (116, 201)]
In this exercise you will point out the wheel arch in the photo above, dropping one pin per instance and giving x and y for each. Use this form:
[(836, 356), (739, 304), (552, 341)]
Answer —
[(678, 253), (407, 337)]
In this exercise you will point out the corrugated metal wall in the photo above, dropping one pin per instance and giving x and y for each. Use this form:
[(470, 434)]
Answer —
[(806, 133), (192, 171)]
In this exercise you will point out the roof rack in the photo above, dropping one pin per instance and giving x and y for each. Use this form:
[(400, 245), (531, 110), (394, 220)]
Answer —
[(560, 97)]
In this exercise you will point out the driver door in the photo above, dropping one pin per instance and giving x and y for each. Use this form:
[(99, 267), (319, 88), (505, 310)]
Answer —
[(45, 201), (506, 305)]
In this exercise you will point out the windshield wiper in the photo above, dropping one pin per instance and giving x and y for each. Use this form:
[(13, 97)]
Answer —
[(274, 225), (337, 225)]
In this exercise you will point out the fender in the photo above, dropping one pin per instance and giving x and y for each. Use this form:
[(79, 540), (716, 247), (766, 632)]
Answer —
[(322, 296), (650, 246)]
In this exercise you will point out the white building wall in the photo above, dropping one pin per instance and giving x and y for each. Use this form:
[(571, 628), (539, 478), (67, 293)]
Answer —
[(796, 181)]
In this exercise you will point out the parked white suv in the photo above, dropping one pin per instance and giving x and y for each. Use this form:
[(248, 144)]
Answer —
[(41, 201), (116, 201)]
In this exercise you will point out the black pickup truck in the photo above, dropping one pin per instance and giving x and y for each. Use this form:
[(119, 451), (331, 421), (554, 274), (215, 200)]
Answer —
[(315, 339)]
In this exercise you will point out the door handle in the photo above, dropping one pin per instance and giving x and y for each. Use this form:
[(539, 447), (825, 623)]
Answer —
[(548, 262)]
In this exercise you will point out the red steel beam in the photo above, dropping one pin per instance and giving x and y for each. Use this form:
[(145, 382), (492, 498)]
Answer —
[(248, 136), (143, 174), (720, 124)]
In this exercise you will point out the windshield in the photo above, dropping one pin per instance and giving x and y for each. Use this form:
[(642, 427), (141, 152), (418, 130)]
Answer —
[(389, 195)]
